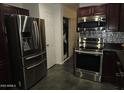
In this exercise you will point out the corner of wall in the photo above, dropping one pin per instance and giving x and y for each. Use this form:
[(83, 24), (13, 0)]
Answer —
[(59, 35)]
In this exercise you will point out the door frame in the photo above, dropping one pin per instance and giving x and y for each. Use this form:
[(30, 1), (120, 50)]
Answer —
[(65, 59)]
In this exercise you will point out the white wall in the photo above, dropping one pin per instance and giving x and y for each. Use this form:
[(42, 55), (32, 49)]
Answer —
[(52, 15), (33, 8), (89, 4), (59, 33)]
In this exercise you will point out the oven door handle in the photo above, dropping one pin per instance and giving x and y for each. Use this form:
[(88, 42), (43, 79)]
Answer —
[(89, 52)]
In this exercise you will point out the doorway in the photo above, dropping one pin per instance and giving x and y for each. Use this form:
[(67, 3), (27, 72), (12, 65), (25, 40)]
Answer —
[(65, 37)]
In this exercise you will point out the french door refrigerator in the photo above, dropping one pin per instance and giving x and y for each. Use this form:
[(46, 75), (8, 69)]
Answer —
[(26, 39)]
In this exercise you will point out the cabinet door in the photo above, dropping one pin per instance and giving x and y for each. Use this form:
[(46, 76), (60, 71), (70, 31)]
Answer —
[(99, 10), (121, 18), (2, 41), (109, 67), (22, 11), (4, 74), (85, 11), (5, 10), (4, 53), (113, 17)]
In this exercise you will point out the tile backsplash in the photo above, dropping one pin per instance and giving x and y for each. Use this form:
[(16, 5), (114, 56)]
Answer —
[(109, 37)]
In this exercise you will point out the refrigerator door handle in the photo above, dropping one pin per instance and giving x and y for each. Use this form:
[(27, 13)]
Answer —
[(24, 24), (20, 35), (33, 66), (33, 56), (30, 67), (37, 30), (35, 34)]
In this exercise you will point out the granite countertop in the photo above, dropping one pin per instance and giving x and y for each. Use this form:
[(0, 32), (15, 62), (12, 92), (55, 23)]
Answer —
[(113, 47)]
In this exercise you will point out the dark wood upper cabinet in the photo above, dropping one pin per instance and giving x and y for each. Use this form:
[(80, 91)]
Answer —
[(92, 10), (8, 10), (14, 10), (113, 13), (85, 11), (121, 26), (22, 11), (99, 10)]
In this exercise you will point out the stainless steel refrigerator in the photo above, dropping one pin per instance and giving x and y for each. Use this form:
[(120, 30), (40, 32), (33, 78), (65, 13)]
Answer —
[(27, 49)]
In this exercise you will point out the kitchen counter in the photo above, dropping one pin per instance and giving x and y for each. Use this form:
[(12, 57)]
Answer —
[(114, 50), (113, 47)]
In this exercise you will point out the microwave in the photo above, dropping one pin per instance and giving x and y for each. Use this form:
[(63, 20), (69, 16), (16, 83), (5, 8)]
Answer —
[(92, 23)]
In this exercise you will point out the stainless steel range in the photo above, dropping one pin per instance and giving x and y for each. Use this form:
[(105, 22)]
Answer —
[(89, 51), (88, 57)]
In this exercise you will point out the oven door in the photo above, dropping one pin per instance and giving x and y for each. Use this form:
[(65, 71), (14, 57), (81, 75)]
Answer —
[(90, 61)]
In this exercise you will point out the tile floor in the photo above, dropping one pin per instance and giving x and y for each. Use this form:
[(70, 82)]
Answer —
[(60, 77)]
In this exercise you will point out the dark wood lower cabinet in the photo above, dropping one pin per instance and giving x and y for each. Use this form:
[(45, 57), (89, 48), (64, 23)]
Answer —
[(110, 68), (5, 73)]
